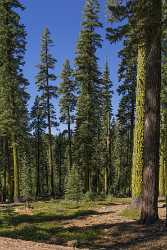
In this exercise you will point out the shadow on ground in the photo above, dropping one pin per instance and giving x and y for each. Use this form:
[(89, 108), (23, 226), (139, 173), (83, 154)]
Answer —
[(51, 229)]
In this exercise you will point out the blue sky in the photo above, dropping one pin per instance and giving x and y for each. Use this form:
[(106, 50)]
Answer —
[(63, 18)]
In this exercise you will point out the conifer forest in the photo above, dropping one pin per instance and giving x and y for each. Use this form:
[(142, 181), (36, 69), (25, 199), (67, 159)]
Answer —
[(83, 156)]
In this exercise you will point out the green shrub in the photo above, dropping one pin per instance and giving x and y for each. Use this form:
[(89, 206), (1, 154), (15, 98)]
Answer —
[(73, 186), (109, 198), (131, 213), (89, 196)]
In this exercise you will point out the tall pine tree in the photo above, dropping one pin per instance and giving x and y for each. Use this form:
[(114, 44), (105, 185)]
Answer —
[(88, 107), (38, 126), (46, 86), (106, 127), (129, 25), (67, 93), (126, 111), (13, 96)]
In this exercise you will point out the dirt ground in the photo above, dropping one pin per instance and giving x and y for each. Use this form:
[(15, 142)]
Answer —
[(122, 233), (11, 244), (117, 233)]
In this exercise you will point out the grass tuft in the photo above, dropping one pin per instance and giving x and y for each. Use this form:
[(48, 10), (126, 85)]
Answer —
[(130, 213)]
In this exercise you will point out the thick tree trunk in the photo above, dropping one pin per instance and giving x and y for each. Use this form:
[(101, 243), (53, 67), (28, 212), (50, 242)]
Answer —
[(138, 161), (149, 212)]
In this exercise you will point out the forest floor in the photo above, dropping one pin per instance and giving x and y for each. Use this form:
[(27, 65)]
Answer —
[(60, 225)]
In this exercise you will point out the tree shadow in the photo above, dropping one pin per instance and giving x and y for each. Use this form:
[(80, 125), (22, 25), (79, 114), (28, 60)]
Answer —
[(129, 235), (42, 217), (53, 229), (13, 219)]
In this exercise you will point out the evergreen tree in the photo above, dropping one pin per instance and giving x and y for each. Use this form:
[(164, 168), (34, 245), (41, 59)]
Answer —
[(88, 106), (61, 144), (73, 187), (126, 112), (118, 157), (144, 19), (45, 79), (67, 102), (124, 152), (13, 94), (129, 31), (134, 12), (106, 126), (38, 125), (26, 177), (153, 17)]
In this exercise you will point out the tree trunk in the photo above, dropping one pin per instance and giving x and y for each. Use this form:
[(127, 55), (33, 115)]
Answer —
[(69, 139), (60, 163), (16, 169), (4, 170), (38, 165), (162, 172), (50, 153), (149, 212), (138, 161), (108, 168), (106, 180), (9, 172), (50, 159), (163, 148), (87, 177)]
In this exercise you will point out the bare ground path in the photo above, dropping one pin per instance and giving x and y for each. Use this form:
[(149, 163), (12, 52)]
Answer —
[(11, 244), (123, 233), (105, 215), (115, 232)]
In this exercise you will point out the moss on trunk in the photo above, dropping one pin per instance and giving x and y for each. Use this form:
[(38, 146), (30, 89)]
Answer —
[(137, 169)]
